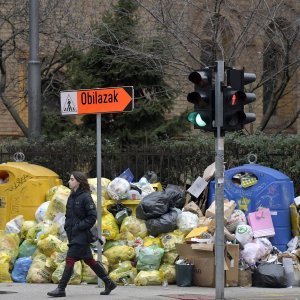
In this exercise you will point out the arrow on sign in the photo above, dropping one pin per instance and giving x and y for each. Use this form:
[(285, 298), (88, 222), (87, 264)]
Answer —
[(107, 100), (98, 100)]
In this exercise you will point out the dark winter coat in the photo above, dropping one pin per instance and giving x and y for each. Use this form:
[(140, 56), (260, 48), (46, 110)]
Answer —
[(81, 215)]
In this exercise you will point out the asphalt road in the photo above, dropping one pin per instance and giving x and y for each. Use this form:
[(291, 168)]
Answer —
[(25, 291)]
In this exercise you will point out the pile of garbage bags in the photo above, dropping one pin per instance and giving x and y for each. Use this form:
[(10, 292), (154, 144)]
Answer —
[(140, 238), (139, 246)]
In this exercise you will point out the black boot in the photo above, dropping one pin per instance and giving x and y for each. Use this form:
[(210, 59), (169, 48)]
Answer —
[(102, 274), (60, 290)]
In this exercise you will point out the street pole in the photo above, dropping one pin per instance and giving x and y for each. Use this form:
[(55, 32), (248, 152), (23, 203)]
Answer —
[(34, 72), (219, 179), (99, 192)]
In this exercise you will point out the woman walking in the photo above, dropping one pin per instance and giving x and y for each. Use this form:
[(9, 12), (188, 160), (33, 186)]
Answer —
[(81, 215)]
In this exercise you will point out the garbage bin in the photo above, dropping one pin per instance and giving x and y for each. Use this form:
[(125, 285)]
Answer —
[(131, 204), (273, 190), (23, 188), (184, 274)]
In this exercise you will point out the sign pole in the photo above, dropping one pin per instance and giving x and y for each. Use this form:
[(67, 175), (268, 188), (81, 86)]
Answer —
[(99, 198), (219, 185), (97, 101)]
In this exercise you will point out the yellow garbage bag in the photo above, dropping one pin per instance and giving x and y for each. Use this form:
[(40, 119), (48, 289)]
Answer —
[(170, 257), (4, 268), (150, 240), (103, 203), (49, 228), (9, 244), (125, 236), (75, 278), (106, 205), (49, 244), (38, 271), (57, 203), (39, 256), (168, 273), (58, 189), (123, 273), (88, 274), (32, 232), (25, 227), (119, 253), (122, 266), (148, 278), (124, 278), (135, 226), (169, 240), (105, 262), (58, 256), (104, 184), (41, 230), (110, 228)]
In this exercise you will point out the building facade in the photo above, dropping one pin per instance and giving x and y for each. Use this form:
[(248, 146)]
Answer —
[(261, 37)]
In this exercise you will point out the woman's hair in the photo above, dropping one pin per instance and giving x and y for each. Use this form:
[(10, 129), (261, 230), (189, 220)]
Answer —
[(82, 179)]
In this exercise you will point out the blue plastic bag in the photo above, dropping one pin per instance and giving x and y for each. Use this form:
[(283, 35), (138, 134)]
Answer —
[(21, 268)]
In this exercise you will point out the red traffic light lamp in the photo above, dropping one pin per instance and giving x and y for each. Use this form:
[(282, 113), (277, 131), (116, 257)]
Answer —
[(234, 99)]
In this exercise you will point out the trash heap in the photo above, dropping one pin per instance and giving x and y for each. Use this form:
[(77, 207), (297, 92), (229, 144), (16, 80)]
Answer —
[(138, 249), (150, 235)]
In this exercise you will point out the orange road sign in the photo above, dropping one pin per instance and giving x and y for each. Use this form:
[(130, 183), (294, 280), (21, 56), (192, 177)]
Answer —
[(106, 100)]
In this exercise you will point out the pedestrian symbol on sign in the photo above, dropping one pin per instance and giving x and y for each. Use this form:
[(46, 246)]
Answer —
[(69, 105)]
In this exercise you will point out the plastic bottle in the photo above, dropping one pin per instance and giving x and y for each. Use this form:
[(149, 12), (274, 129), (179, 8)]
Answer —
[(165, 284), (124, 281)]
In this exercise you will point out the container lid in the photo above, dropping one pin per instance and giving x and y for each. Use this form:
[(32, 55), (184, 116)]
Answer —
[(32, 169)]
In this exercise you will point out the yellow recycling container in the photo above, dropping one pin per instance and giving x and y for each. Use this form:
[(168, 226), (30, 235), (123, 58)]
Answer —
[(131, 204), (23, 188)]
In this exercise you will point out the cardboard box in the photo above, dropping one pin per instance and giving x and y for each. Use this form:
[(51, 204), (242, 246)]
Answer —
[(204, 263), (203, 247), (232, 253), (229, 207)]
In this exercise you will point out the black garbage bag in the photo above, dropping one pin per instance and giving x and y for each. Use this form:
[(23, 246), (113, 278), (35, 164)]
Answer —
[(120, 212), (118, 208), (163, 224), (269, 275), (176, 195), (153, 205)]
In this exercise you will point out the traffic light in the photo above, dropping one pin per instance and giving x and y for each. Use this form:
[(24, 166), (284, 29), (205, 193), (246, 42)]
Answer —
[(203, 99), (235, 98)]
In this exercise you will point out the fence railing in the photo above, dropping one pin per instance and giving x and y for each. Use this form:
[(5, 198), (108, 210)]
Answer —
[(171, 167)]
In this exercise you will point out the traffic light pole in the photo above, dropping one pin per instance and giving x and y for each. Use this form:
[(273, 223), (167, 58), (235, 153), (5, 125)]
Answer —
[(219, 179), (219, 110)]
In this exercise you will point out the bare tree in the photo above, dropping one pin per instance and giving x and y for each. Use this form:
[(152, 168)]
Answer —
[(262, 35), (61, 22)]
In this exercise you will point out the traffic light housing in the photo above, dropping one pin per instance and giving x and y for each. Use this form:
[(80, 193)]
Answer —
[(203, 99), (235, 98)]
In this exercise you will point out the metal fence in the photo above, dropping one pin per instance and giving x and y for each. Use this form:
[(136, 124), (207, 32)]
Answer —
[(172, 167)]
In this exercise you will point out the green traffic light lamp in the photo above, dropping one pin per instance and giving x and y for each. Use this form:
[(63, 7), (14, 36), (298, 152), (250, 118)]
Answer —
[(196, 119)]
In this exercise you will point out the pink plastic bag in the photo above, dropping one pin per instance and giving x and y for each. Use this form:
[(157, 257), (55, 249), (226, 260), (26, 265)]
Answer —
[(261, 223)]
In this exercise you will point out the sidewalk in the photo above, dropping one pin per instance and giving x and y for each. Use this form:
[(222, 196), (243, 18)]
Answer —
[(25, 291)]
